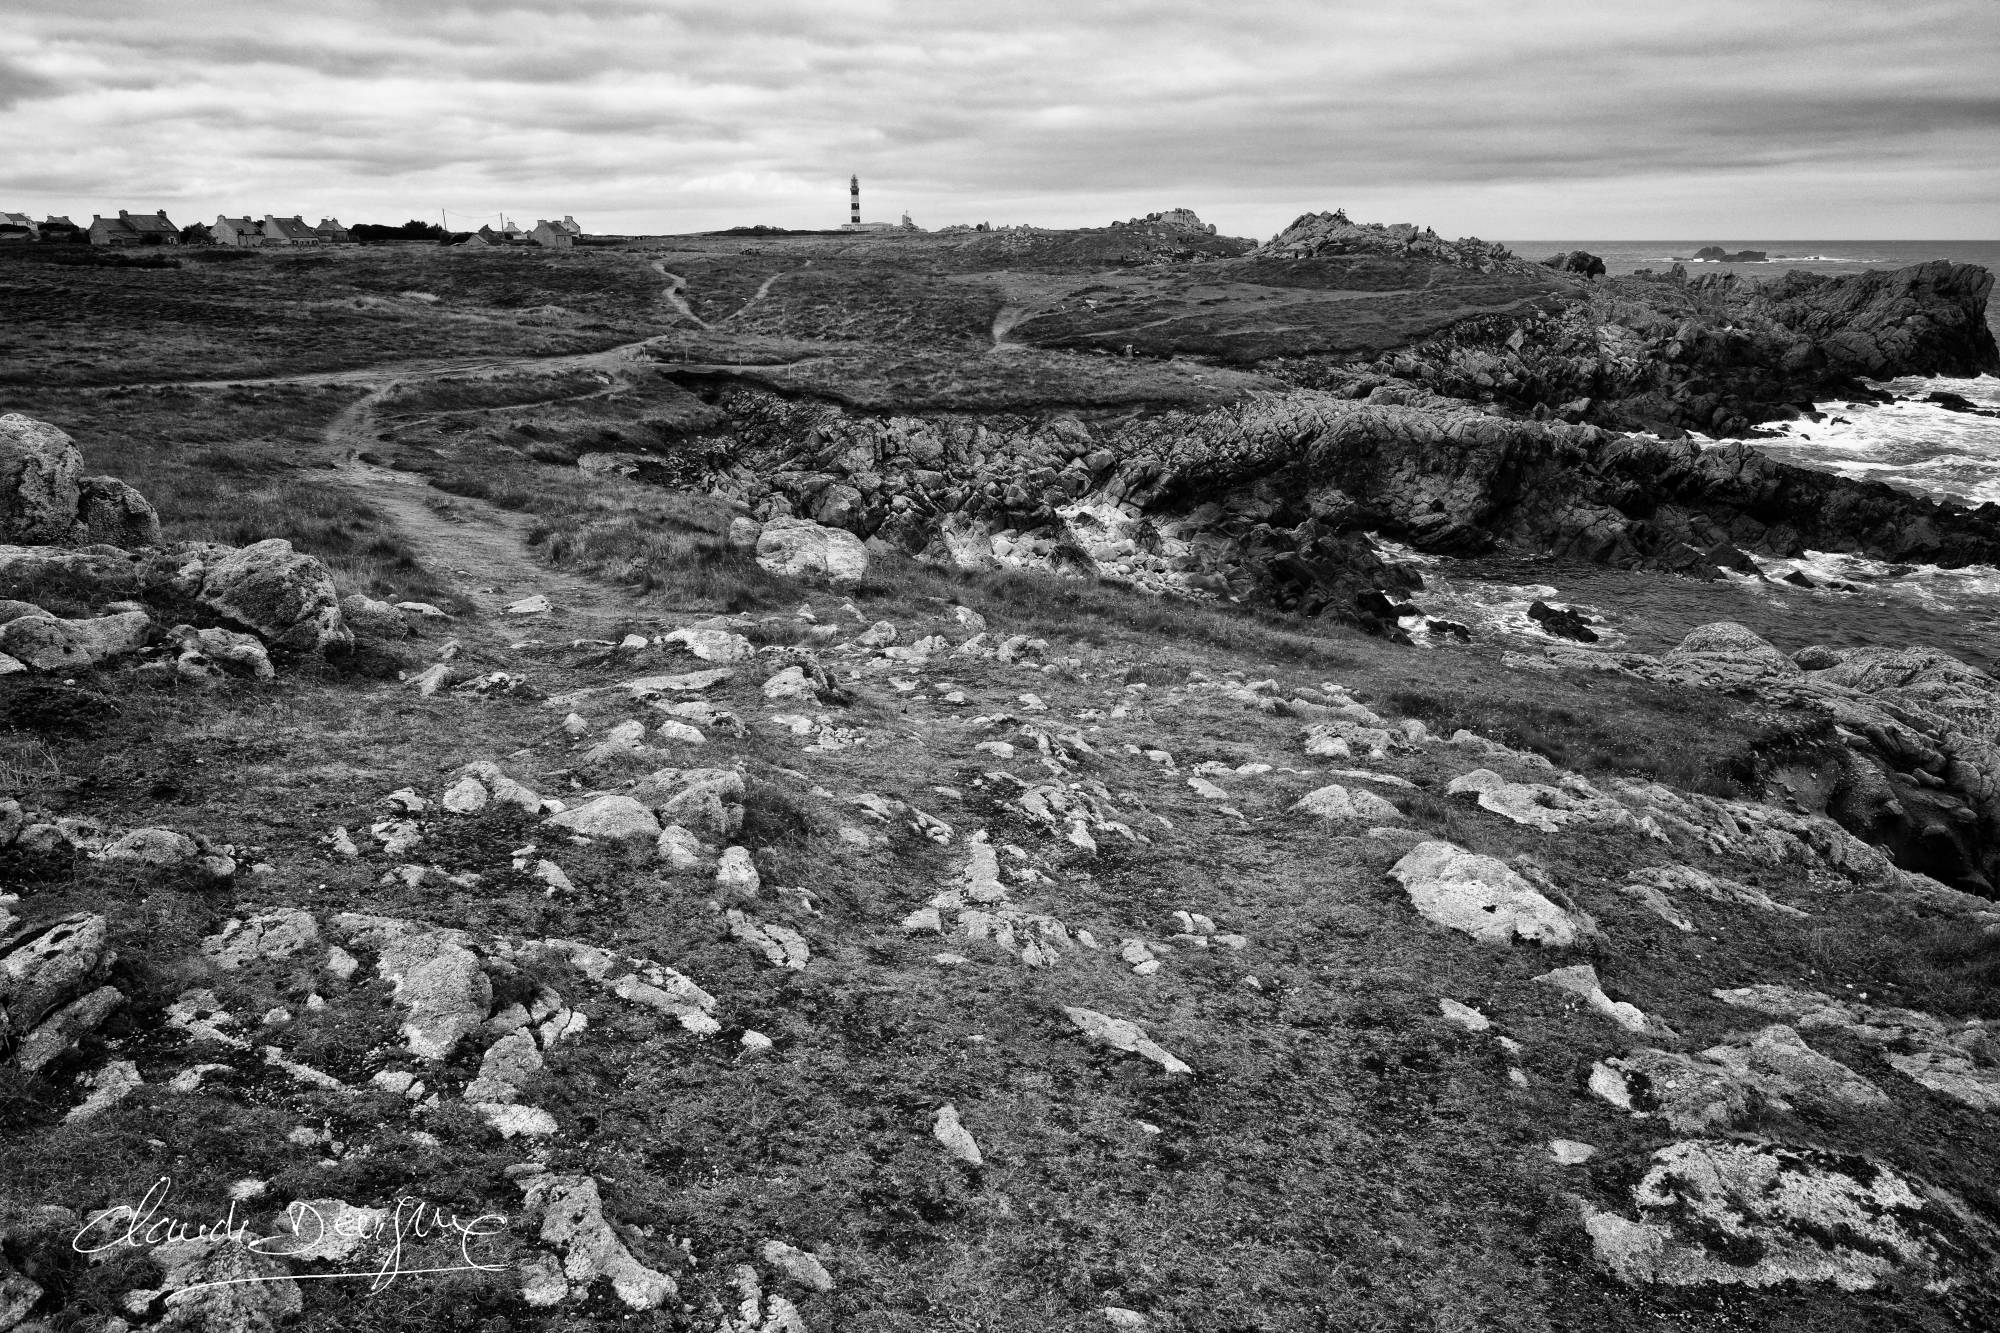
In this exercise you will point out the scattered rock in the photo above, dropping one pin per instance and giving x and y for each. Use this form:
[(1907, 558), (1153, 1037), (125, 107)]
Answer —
[(1334, 801), (571, 1214), (1481, 896), (436, 977), (615, 818), (108, 1086), (1124, 1035), (45, 643), (272, 935), (158, 847), (957, 1140), (794, 547), (801, 1266), (1581, 981)]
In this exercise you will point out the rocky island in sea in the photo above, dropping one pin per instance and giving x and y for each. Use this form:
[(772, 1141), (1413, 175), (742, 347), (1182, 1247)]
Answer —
[(1120, 777)]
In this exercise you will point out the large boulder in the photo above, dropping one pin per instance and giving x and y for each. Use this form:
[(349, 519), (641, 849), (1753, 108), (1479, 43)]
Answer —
[(45, 643), (285, 598), (113, 514), (796, 546), (1726, 650), (40, 470), (45, 500), (97, 573)]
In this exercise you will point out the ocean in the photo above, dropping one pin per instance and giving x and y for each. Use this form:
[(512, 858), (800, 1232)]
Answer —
[(1913, 445)]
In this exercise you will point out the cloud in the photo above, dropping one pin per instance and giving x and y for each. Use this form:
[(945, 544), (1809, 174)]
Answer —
[(18, 84), (1505, 116)]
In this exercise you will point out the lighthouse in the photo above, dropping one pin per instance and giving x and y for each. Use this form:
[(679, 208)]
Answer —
[(854, 201)]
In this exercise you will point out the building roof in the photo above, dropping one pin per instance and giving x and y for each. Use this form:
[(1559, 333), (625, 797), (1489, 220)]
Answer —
[(16, 220), (237, 224), (289, 229), (55, 220), (331, 224), (147, 223)]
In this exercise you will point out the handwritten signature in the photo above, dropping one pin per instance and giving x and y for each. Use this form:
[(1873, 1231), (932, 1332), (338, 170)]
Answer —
[(309, 1234)]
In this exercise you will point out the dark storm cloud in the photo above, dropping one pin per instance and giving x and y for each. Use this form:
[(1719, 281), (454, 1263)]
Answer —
[(18, 84), (669, 113)]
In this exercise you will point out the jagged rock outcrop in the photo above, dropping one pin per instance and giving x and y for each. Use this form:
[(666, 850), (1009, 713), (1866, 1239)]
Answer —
[(1712, 354), (1906, 755), (1315, 234), (1268, 498)]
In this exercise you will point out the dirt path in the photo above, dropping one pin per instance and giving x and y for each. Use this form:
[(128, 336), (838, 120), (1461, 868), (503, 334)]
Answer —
[(676, 284), (1004, 319), (483, 547), (763, 290)]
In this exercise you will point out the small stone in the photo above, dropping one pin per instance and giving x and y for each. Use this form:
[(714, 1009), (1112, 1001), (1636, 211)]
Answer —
[(108, 1086), (799, 1265), (467, 796), (1568, 1152), (735, 876), (957, 1140), (529, 606), (517, 1121), (340, 964), (1465, 1016)]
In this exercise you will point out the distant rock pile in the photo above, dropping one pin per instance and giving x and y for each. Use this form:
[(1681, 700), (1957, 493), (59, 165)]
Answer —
[(1178, 219), (1580, 262), (1315, 235)]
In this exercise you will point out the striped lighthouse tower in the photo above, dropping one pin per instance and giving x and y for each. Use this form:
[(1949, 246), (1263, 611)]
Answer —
[(854, 201)]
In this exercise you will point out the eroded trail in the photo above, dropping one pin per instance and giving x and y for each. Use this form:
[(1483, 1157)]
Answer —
[(482, 546), (676, 284)]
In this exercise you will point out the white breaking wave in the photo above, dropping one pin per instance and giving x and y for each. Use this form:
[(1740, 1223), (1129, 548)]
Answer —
[(1917, 445), (1928, 586)]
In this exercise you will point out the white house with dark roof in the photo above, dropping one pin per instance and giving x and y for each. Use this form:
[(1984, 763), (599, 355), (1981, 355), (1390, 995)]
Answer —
[(243, 232)]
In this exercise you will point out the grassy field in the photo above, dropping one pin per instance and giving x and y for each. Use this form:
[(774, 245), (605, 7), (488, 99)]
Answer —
[(279, 314)]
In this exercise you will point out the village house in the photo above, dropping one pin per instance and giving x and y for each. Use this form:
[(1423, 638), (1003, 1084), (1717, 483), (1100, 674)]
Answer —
[(552, 235), (289, 231), (134, 229), (241, 232), (332, 233), (16, 227)]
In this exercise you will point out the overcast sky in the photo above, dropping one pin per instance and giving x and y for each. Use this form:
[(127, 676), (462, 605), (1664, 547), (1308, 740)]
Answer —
[(1510, 119)]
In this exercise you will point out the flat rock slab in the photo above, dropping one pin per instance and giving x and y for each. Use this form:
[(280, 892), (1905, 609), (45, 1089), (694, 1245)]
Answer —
[(1481, 896), (1122, 1034), (1758, 1214)]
